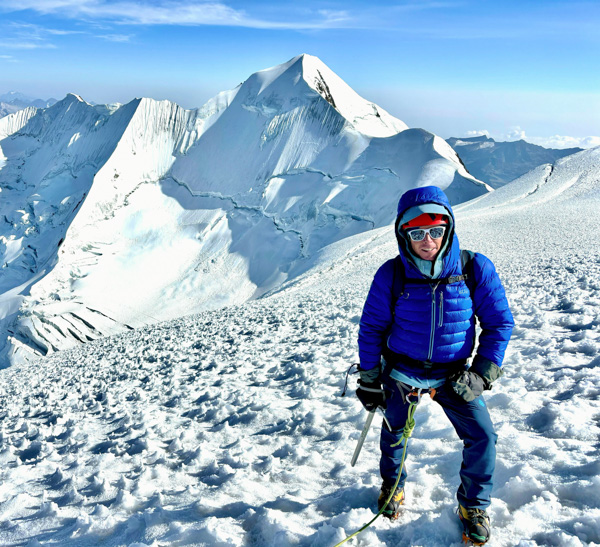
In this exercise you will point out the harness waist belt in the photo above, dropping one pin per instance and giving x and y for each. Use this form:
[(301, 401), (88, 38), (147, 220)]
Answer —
[(392, 358)]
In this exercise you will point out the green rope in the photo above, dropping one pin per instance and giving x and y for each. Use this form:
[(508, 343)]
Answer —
[(409, 426), (408, 429)]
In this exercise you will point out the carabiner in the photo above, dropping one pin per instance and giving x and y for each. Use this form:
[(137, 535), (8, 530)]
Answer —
[(414, 396)]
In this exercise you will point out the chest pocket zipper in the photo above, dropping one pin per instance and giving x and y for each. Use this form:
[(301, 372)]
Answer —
[(441, 321)]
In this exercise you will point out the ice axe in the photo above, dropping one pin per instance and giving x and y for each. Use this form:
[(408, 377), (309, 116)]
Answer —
[(363, 435), (362, 438)]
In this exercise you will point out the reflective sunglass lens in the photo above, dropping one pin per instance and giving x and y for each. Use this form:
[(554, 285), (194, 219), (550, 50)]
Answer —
[(417, 235), (434, 233)]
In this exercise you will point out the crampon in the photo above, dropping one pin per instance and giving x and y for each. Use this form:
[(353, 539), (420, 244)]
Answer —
[(476, 525)]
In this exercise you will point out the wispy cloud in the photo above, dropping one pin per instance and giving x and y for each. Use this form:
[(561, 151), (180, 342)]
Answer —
[(562, 141), (341, 16), (20, 44), (38, 32), (555, 141), (411, 17), (58, 32), (478, 133), (30, 36), (516, 133), (177, 12), (421, 6), (116, 37)]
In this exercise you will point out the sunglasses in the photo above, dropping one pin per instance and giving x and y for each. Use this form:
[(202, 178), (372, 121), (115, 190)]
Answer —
[(418, 234)]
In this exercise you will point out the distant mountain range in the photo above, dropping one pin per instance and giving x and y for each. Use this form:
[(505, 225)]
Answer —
[(113, 217), (497, 163), (14, 101), (492, 162)]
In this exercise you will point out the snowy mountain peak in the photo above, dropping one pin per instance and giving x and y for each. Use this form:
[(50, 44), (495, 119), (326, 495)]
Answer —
[(365, 116), (268, 87), (74, 96), (70, 98)]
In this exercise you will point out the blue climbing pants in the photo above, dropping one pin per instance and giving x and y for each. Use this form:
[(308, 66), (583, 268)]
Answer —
[(473, 426)]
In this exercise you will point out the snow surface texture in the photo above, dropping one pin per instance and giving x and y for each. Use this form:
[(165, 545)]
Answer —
[(114, 217), (227, 428), (500, 162)]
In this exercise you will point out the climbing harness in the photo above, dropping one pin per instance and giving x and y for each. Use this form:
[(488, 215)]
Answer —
[(413, 398)]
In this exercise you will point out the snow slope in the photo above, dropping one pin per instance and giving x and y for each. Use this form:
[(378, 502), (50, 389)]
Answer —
[(114, 217), (227, 428)]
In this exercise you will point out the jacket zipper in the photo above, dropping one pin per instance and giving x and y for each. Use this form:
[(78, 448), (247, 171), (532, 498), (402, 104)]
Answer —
[(433, 314), (441, 309)]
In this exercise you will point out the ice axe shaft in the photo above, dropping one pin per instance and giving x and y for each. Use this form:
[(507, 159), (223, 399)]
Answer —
[(363, 436)]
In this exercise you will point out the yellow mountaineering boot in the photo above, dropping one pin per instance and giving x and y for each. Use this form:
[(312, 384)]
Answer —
[(392, 510), (476, 524)]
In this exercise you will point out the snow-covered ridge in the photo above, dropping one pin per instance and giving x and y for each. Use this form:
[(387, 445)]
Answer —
[(576, 176), (14, 122), (117, 216)]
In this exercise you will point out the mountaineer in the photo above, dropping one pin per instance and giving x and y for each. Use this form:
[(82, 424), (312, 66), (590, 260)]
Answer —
[(417, 333)]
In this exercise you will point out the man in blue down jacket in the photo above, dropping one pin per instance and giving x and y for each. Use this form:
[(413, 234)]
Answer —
[(425, 341)]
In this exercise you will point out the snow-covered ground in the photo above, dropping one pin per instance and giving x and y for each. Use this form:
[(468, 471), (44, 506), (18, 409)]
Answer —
[(227, 428)]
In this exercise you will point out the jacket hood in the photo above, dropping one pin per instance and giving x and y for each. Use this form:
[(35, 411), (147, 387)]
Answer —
[(414, 202), (422, 196)]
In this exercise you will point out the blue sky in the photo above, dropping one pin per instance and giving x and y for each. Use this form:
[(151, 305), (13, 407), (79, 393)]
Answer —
[(512, 68)]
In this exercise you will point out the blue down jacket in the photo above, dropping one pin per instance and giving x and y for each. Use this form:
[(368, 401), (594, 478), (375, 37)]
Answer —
[(434, 323)]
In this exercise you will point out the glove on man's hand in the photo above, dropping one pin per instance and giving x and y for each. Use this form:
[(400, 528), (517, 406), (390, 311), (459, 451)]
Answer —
[(470, 384), (370, 395), (467, 385), (369, 390)]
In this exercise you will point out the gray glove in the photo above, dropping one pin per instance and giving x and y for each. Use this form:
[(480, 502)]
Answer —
[(370, 376), (470, 384)]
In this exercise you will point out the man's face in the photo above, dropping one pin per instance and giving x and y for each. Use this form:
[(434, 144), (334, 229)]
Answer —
[(428, 248)]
